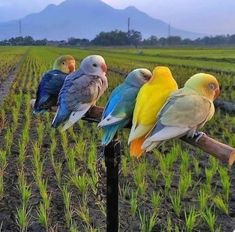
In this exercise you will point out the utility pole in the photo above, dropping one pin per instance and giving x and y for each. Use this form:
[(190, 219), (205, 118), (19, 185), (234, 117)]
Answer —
[(128, 25)]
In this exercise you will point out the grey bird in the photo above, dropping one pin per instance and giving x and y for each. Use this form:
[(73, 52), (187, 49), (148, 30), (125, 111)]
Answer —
[(80, 91)]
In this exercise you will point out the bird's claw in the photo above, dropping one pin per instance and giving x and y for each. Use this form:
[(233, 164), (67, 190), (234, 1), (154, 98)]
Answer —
[(197, 135)]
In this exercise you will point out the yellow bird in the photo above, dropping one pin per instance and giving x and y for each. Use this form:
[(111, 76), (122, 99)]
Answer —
[(150, 99)]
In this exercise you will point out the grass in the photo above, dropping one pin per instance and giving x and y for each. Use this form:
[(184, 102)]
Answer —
[(168, 190)]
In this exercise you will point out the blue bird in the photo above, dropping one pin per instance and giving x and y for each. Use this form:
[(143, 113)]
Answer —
[(119, 108), (80, 91), (51, 83)]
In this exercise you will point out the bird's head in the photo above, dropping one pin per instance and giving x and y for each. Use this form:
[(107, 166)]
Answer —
[(139, 76), (65, 64), (94, 65), (204, 84)]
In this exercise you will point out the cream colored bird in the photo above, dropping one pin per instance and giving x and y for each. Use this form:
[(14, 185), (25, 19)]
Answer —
[(185, 111), (150, 99)]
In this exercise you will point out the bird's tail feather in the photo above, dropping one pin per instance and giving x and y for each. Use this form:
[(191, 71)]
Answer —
[(58, 119), (135, 147), (75, 116), (109, 133)]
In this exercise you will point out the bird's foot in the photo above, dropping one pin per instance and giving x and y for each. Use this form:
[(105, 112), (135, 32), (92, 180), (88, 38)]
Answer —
[(197, 135)]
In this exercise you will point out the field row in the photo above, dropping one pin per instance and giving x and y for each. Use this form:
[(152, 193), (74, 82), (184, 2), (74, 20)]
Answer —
[(48, 177)]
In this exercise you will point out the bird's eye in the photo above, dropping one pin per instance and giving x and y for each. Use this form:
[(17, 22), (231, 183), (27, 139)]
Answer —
[(212, 86), (95, 65), (63, 63)]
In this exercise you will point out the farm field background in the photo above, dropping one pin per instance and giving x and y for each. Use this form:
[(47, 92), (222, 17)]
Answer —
[(48, 177)]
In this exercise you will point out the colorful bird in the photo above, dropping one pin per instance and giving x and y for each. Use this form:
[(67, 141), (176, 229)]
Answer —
[(119, 108), (186, 111), (81, 90), (151, 98), (51, 83)]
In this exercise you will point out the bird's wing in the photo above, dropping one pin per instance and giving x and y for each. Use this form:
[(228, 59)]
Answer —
[(180, 114), (54, 84), (120, 105), (81, 94)]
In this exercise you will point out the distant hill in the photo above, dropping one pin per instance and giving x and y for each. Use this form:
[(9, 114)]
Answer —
[(85, 19)]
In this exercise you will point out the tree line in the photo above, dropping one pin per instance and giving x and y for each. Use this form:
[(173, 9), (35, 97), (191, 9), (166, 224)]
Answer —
[(120, 38)]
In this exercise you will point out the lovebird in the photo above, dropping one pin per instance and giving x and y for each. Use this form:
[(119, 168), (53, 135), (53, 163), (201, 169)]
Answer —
[(81, 90), (186, 111), (151, 98), (119, 108), (51, 83)]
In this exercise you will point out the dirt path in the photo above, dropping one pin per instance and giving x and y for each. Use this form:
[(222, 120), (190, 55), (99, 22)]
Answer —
[(6, 84)]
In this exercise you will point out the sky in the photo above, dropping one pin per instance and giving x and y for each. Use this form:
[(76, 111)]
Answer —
[(204, 16)]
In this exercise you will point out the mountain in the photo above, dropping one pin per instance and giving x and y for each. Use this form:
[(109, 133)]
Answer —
[(85, 19)]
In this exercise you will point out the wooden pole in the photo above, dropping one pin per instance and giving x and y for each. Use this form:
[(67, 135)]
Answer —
[(221, 151), (112, 153)]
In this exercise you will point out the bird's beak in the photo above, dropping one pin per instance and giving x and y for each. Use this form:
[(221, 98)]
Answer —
[(147, 78), (71, 66), (217, 93), (104, 67)]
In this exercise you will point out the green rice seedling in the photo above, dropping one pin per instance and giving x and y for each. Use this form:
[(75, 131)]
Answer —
[(67, 202), (40, 131), (147, 223), (214, 164), (80, 148), (203, 197), (156, 200), (81, 182), (57, 166), (8, 140), (72, 134), (168, 180), (22, 218), (176, 202), (24, 189), (133, 203), (1, 183), (91, 159), (190, 219), (225, 181), (125, 166), (169, 226), (3, 165), (153, 173), (53, 147), (3, 119), (140, 178), (84, 214), (15, 117), (3, 159), (209, 175), (22, 152), (71, 164), (25, 135), (220, 204), (64, 141), (125, 191), (196, 166), (185, 162), (185, 183), (43, 215), (210, 218)]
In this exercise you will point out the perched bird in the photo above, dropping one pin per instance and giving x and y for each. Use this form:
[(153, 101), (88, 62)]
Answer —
[(119, 108), (52, 82), (81, 90), (186, 111), (151, 98)]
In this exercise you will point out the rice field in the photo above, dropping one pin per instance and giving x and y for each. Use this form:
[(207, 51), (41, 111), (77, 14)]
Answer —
[(48, 178)]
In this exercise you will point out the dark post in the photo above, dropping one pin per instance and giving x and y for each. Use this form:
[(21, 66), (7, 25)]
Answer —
[(112, 160)]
